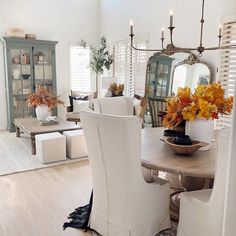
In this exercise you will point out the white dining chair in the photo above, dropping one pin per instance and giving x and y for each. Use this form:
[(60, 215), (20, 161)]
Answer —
[(120, 106), (201, 212), (123, 203)]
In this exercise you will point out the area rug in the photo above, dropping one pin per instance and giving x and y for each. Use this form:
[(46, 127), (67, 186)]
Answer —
[(15, 155)]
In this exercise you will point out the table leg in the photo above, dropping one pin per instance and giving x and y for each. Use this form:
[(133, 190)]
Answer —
[(17, 132), (33, 146)]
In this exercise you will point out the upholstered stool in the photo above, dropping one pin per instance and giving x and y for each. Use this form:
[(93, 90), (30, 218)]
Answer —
[(50, 147), (75, 144)]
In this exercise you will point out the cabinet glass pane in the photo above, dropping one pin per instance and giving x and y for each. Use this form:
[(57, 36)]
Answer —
[(42, 57), (43, 66), (18, 113)]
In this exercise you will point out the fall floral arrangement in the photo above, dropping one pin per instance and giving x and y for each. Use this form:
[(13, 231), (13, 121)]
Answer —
[(208, 101), (43, 96), (116, 90)]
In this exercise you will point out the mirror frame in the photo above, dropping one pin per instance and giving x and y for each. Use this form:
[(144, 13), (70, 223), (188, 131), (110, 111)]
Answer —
[(190, 60)]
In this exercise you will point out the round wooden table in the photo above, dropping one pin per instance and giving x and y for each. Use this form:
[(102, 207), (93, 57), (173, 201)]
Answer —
[(194, 169)]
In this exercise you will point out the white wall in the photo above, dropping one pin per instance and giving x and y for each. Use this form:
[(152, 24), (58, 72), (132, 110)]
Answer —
[(150, 15), (61, 20)]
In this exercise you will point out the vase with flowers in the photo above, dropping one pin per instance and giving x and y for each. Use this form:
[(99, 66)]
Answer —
[(198, 110), (116, 89), (43, 100)]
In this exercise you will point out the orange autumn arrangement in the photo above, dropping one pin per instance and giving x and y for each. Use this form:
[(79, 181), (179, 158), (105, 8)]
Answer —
[(43, 96), (207, 102)]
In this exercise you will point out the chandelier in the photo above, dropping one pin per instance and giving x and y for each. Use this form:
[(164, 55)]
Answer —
[(170, 48)]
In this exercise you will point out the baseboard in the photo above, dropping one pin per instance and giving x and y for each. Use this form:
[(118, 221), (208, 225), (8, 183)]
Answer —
[(3, 128)]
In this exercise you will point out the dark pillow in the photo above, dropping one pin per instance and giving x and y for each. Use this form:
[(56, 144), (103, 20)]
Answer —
[(71, 98)]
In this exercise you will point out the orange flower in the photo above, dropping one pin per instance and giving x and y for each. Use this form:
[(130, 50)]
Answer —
[(43, 97), (207, 102)]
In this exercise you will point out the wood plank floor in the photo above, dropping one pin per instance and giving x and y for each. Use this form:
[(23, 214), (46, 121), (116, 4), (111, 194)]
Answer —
[(36, 203)]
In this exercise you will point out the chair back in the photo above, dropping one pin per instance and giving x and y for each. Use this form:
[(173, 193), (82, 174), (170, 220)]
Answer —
[(156, 106), (216, 201), (114, 149), (120, 106)]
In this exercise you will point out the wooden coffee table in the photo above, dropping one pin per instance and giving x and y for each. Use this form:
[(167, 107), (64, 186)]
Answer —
[(30, 127)]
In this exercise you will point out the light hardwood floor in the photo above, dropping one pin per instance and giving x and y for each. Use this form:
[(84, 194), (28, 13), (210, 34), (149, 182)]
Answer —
[(36, 203)]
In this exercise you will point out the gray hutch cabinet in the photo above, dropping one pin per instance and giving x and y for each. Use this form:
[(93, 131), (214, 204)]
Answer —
[(28, 63), (158, 77), (157, 87)]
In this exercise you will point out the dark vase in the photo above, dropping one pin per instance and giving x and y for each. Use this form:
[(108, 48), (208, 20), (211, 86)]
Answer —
[(117, 95), (180, 128)]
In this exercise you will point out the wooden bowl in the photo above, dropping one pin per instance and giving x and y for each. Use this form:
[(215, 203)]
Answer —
[(183, 149)]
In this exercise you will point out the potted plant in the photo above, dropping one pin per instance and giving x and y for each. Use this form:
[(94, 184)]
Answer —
[(100, 59), (43, 100), (198, 110)]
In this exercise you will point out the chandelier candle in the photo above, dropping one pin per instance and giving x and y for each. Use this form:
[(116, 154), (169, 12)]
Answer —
[(131, 26), (162, 32), (220, 30), (171, 17)]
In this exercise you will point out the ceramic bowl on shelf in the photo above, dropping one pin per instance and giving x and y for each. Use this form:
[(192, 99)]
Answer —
[(183, 149)]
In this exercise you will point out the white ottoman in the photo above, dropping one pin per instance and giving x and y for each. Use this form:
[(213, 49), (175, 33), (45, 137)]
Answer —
[(75, 144), (50, 147)]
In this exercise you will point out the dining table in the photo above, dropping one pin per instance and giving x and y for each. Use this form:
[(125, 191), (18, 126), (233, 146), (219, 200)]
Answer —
[(194, 170)]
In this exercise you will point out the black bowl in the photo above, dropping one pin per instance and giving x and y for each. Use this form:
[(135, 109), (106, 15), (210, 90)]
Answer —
[(183, 140)]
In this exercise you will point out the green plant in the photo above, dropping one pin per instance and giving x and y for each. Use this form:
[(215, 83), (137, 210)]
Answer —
[(100, 59)]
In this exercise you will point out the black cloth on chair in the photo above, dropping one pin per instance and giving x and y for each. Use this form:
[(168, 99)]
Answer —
[(79, 219)]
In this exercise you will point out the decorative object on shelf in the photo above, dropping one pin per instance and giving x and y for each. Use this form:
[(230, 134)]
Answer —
[(16, 60), (26, 76), (171, 48), (43, 100), (100, 60), (183, 149), (205, 104), (15, 73), (30, 36), (15, 33), (25, 59), (116, 90)]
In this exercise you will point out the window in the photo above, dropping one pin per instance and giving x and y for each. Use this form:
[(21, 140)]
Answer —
[(227, 70), (129, 66), (79, 69)]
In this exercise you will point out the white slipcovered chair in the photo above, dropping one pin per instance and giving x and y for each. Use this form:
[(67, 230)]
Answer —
[(123, 203), (120, 106), (201, 212)]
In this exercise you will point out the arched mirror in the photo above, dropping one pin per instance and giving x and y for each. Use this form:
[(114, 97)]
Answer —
[(166, 73), (189, 73)]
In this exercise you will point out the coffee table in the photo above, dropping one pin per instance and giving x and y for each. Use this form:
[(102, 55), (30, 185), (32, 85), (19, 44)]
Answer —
[(30, 127)]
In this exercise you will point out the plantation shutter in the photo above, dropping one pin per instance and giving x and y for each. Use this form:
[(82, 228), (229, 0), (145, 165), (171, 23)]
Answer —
[(79, 69), (140, 65), (227, 72), (120, 63), (129, 66)]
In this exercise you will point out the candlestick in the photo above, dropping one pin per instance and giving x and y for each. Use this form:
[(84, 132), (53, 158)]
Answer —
[(131, 27), (162, 32), (171, 13)]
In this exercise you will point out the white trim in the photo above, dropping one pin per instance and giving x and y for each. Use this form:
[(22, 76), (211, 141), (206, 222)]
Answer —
[(229, 18)]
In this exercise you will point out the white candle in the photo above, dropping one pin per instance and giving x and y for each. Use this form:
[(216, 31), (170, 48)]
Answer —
[(131, 26), (162, 32), (220, 30), (171, 13)]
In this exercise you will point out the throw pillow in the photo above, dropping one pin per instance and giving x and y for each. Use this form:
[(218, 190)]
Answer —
[(71, 98)]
